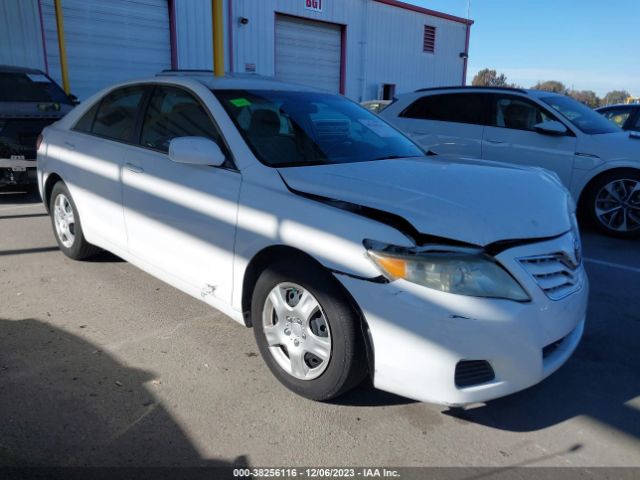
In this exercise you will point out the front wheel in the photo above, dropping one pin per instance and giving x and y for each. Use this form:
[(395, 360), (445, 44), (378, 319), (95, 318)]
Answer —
[(613, 203), (307, 331), (66, 224)]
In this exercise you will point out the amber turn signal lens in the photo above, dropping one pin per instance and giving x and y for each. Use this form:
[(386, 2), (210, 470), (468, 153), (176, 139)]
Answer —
[(395, 267)]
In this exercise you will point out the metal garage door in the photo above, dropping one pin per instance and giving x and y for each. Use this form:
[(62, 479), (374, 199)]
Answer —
[(308, 52), (109, 41)]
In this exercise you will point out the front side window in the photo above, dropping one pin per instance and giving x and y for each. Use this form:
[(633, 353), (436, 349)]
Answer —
[(451, 107), (619, 116), (30, 87), (285, 128), (588, 121), (516, 113), (174, 113), (116, 115)]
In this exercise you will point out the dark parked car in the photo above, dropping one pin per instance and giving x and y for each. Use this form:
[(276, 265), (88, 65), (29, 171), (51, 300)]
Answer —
[(626, 116), (29, 101)]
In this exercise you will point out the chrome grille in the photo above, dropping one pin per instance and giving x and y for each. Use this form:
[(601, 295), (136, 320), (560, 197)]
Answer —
[(557, 274)]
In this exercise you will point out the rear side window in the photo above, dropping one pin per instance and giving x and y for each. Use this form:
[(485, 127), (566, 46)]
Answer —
[(174, 113), (453, 107), (116, 115)]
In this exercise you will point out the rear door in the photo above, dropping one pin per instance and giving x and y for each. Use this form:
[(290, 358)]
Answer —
[(94, 152), (511, 137), (450, 123), (180, 218)]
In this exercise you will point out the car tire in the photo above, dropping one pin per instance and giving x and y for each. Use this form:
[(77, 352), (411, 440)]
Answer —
[(612, 203), (289, 340), (66, 224)]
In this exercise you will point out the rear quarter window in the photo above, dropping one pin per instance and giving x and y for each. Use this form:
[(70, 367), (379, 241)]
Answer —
[(85, 123)]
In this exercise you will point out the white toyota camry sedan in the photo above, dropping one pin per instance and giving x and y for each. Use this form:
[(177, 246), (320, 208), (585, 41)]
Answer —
[(305, 216)]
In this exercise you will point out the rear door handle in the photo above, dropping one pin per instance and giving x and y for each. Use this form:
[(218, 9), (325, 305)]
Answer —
[(494, 142), (133, 168)]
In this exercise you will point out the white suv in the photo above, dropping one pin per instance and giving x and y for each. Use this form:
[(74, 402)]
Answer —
[(307, 217), (598, 162)]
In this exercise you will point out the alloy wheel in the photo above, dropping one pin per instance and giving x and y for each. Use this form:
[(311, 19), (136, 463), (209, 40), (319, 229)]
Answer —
[(617, 205), (64, 220)]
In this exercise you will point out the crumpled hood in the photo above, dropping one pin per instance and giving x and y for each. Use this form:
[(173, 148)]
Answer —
[(469, 203)]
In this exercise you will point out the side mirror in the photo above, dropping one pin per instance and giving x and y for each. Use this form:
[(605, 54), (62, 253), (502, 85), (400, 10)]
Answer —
[(74, 99), (195, 151), (550, 127)]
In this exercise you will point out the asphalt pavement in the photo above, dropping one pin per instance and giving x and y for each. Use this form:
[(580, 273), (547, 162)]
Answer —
[(101, 364)]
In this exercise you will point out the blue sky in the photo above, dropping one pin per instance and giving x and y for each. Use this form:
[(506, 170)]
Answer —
[(587, 44)]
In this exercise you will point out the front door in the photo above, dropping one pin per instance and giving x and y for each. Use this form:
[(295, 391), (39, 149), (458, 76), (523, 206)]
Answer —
[(510, 137), (180, 218)]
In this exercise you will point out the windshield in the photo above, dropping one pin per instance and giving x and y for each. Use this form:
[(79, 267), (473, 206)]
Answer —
[(30, 87), (580, 115), (286, 129)]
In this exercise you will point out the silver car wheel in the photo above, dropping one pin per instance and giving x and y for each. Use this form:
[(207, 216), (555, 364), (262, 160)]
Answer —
[(64, 220), (296, 331), (618, 205)]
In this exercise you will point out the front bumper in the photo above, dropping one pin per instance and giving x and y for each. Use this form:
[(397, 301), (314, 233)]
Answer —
[(419, 335)]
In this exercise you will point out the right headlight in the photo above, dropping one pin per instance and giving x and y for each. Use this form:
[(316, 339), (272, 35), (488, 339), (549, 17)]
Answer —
[(462, 273)]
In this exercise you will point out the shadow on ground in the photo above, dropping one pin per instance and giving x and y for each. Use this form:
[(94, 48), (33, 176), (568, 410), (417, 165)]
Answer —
[(367, 396), (65, 403), (17, 195)]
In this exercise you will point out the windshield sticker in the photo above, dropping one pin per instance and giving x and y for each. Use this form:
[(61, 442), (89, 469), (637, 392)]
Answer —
[(240, 102), (379, 128), (38, 78)]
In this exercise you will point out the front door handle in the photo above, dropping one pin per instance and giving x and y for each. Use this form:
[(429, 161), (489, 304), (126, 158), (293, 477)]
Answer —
[(70, 145), (133, 168), (494, 142)]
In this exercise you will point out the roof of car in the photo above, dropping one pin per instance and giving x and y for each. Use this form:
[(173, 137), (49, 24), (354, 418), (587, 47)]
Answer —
[(15, 69), (236, 81), (619, 105), (472, 88)]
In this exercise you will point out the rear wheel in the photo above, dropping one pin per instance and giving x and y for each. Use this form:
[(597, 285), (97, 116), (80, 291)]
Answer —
[(66, 225), (613, 203), (307, 331)]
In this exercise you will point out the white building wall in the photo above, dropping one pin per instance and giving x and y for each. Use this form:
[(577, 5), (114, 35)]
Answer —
[(108, 42), (20, 34), (383, 43), (194, 42), (254, 43), (395, 50)]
